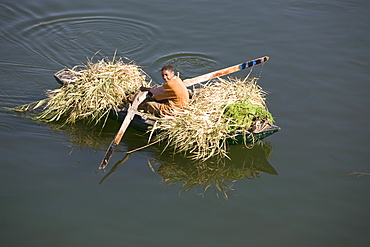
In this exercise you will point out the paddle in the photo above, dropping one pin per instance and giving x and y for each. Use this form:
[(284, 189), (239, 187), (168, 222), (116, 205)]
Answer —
[(226, 71), (138, 98)]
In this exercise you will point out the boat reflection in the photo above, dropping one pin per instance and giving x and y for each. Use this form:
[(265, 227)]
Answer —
[(215, 173), (98, 137), (83, 135), (219, 174)]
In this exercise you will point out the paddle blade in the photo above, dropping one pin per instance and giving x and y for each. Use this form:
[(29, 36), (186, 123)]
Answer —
[(107, 156)]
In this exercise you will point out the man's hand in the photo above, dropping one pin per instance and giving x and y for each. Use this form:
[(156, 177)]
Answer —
[(145, 89)]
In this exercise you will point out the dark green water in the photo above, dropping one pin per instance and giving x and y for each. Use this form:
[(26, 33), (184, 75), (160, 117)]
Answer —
[(318, 82)]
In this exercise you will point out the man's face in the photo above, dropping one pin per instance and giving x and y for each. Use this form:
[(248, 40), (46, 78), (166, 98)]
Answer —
[(167, 75)]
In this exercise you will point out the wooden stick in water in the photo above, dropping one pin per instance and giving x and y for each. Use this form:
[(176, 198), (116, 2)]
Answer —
[(138, 98)]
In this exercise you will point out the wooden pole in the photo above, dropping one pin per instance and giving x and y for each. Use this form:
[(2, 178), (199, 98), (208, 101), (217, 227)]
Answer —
[(138, 98), (226, 71)]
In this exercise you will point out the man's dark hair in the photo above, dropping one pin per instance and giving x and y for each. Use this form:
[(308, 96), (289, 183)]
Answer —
[(167, 67)]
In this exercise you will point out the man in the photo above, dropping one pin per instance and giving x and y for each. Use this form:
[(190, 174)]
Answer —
[(171, 95)]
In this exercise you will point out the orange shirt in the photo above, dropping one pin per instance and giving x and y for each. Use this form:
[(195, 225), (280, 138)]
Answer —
[(175, 92)]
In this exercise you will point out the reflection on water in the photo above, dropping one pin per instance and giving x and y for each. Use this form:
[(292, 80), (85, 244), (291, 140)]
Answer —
[(114, 168), (83, 135), (219, 174), (175, 169)]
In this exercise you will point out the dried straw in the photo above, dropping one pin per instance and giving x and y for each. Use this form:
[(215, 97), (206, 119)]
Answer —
[(99, 88), (201, 130)]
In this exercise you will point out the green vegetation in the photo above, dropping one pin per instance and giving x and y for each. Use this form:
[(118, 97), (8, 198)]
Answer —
[(242, 114)]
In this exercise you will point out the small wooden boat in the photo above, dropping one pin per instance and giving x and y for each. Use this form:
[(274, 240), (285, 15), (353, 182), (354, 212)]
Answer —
[(143, 122)]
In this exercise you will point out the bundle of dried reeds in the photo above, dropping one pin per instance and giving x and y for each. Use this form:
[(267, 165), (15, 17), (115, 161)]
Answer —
[(99, 87), (201, 130)]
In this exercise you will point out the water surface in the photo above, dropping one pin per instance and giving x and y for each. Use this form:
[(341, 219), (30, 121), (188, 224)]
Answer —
[(317, 77)]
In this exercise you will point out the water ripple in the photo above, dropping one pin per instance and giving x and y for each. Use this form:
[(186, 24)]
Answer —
[(189, 64), (66, 36)]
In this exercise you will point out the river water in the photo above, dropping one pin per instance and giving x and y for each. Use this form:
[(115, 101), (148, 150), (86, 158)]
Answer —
[(317, 79)]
